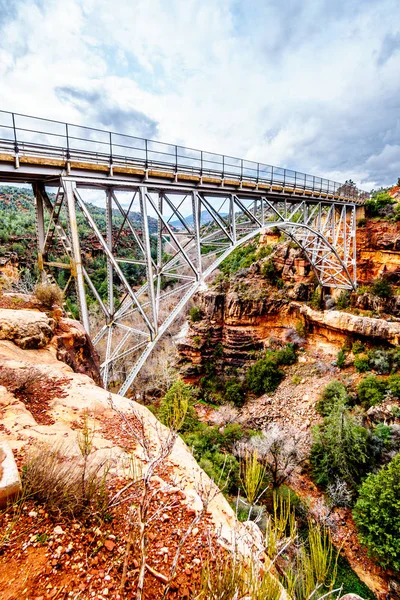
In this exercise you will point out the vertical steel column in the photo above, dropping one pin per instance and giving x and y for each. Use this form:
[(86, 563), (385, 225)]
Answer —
[(196, 209), (354, 237), (232, 216), (37, 190), (159, 249), (147, 257), (110, 271), (69, 188)]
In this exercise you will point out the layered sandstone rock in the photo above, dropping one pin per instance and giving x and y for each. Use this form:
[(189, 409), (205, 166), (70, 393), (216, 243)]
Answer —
[(33, 329), (338, 323), (378, 251)]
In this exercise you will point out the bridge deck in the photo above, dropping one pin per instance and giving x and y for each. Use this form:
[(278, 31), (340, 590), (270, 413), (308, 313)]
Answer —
[(34, 149)]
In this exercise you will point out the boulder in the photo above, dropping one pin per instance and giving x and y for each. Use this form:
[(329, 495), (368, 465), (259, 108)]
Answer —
[(26, 328), (10, 483)]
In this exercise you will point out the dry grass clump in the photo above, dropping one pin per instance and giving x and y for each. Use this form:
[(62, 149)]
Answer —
[(72, 486), (229, 576), (49, 294)]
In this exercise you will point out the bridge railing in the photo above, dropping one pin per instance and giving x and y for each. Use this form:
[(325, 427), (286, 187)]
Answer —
[(35, 136)]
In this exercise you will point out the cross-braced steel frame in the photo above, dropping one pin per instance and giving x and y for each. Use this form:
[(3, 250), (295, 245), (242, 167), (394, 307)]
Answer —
[(160, 243)]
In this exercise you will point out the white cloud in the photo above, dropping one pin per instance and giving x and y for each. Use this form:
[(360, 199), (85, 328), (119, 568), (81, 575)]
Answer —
[(303, 85)]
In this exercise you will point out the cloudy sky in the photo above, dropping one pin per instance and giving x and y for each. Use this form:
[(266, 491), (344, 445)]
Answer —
[(312, 85)]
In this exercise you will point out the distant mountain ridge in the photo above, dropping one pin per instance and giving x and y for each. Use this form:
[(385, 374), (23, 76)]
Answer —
[(22, 199), (205, 217)]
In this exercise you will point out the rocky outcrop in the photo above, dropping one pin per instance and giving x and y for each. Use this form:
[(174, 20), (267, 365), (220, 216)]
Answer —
[(234, 325), (378, 251), (33, 329), (334, 321), (26, 328), (75, 348)]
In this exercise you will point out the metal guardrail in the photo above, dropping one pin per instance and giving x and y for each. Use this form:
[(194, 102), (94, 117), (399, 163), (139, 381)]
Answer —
[(24, 134)]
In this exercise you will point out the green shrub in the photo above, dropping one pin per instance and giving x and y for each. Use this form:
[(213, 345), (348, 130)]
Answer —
[(339, 449), (196, 341), (241, 258), (377, 514), (376, 205), (316, 298), (212, 449), (268, 271), (334, 393), (344, 300), (18, 248), (382, 288), (357, 347), (234, 392), (341, 359), (394, 385), (195, 314), (371, 390), (176, 409), (361, 363), (361, 222), (379, 361), (286, 356), (264, 376), (264, 251)]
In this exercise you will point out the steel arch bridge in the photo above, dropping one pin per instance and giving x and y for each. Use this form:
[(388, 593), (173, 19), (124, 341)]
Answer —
[(162, 218)]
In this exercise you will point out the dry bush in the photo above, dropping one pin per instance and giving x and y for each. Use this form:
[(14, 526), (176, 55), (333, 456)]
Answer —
[(228, 576), (67, 485), (49, 294)]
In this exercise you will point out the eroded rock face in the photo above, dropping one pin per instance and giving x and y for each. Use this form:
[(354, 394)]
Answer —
[(75, 348), (26, 328), (378, 250), (337, 322), (33, 329)]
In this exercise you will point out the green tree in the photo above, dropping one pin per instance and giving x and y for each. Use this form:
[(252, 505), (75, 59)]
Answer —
[(264, 376), (371, 390), (341, 359), (333, 394), (377, 514), (339, 449)]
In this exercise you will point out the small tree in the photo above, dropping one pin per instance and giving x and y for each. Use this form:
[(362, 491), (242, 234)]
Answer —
[(280, 451), (339, 448), (334, 393), (341, 359), (382, 288), (377, 514)]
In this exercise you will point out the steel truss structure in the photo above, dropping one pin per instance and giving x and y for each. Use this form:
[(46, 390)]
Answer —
[(159, 218), (160, 242)]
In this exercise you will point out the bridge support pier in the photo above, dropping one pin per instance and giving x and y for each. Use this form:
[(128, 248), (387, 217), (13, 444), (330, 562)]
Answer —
[(77, 256)]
